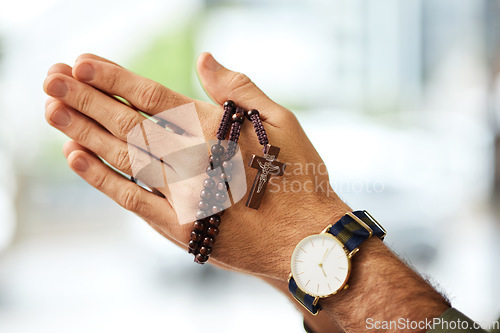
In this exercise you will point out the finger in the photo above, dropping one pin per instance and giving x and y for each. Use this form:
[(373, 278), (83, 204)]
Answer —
[(60, 68), (71, 145), (90, 56), (89, 134), (222, 84), (145, 94), (124, 192), (113, 115)]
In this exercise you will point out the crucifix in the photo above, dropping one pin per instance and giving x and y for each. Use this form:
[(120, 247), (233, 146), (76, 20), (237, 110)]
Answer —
[(267, 166)]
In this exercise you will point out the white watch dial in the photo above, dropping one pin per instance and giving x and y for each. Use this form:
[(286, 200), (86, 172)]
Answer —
[(320, 265)]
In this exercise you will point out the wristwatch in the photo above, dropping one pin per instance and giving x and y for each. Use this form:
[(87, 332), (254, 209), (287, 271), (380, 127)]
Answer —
[(321, 263)]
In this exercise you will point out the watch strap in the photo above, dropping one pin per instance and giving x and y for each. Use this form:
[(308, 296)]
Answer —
[(356, 227), (305, 299)]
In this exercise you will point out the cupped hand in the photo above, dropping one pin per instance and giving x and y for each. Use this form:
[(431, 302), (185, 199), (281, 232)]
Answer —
[(260, 242)]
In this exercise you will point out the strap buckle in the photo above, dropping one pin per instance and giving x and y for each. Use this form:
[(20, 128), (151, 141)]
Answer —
[(361, 223), (365, 226), (376, 223)]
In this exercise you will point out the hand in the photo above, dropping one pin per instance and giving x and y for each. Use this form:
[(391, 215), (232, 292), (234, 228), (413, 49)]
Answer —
[(257, 242)]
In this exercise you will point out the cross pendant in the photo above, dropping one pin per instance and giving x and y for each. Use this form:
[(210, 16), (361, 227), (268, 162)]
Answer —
[(267, 166)]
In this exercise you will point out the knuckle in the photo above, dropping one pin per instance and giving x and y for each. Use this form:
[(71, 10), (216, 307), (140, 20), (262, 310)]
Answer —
[(122, 159), (100, 181), (84, 133), (130, 198), (84, 102), (126, 123), (239, 81), (111, 81), (150, 96)]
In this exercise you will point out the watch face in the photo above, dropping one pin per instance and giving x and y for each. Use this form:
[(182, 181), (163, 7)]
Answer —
[(320, 265)]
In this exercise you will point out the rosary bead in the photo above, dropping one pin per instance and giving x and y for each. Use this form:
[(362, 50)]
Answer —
[(195, 236), (212, 231), (205, 250), (252, 112), (230, 104), (220, 197), (238, 118), (194, 245), (221, 186), (201, 259), (209, 241), (209, 183), (206, 195), (199, 226), (203, 205), (227, 165), (226, 177), (218, 209), (214, 220), (201, 214), (211, 171), (217, 150), (215, 161)]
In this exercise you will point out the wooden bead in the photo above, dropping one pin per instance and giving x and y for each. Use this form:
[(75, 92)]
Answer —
[(227, 165), (220, 197), (201, 214), (252, 112), (211, 171), (194, 245), (205, 250), (201, 259), (195, 236), (226, 177), (203, 205), (199, 226), (209, 241), (206, 195), (209, 184), (217, 209), (238, 118), (214, 220), (215, 161), (212, 231), (217, 150), (221, 186), (230, 104)]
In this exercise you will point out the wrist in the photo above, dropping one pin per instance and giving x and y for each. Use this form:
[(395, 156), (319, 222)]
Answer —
[(311, 221)]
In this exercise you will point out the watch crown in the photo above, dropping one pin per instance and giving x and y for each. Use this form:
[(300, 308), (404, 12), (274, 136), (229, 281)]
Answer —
[(346, 286)]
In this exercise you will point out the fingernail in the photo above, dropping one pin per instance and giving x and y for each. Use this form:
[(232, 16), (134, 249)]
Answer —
[(85, 72), (80, 164), (61, 117), (57, 88), (212, 64)]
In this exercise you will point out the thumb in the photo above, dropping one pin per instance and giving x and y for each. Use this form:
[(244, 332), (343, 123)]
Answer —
[(222, 84)]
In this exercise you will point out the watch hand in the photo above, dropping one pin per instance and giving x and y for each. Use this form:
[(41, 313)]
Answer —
[(324, 257), (321, 266)]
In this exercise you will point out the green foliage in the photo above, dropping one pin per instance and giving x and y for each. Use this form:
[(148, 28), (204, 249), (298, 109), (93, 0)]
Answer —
[(170, 60)]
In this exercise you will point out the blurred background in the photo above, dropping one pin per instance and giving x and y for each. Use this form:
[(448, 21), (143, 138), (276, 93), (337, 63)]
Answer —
[(401, 98)]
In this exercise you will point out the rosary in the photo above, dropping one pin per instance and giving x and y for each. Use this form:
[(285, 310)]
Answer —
[(214, 193)]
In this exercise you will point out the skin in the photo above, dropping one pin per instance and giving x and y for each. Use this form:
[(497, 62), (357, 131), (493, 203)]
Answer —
[(260, 242)]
